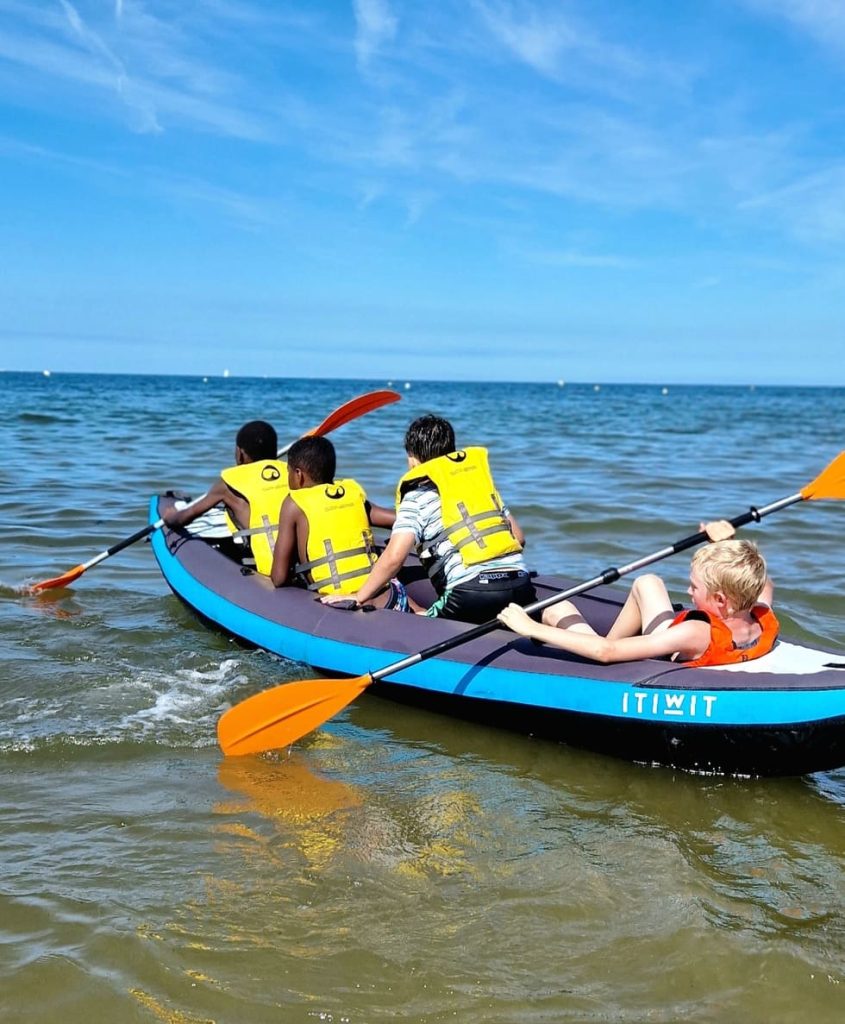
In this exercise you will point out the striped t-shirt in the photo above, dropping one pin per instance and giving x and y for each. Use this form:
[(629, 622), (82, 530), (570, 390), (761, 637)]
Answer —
[(420, 513)]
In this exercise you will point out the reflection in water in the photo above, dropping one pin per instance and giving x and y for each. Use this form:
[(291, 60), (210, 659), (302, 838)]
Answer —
[(324, 819), (164, 1013), (58, 604), (311, 811)]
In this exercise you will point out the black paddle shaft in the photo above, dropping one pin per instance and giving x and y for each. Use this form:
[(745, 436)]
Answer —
[(753, 515), (127, 541)]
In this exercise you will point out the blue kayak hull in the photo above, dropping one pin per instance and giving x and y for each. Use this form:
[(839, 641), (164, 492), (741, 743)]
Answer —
[(781, 715)]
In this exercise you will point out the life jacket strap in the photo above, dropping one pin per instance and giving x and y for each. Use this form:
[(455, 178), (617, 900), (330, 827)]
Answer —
[(337, 578), (266, 528), (331, 559), (467, 522)]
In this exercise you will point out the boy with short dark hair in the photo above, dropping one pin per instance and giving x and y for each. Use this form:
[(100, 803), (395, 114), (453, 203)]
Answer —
[(449, 510), (250, 492), (325, 539)]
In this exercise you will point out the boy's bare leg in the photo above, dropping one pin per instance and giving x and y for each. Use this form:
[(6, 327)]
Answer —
[(564, 615), (647, 609)]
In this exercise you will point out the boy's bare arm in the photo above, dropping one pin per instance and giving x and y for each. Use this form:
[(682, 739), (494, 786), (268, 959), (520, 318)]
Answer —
[(284, 553), (517, 530), (379, 515), (213, 496)]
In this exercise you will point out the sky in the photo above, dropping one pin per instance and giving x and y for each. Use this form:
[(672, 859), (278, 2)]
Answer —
[(507, 190)]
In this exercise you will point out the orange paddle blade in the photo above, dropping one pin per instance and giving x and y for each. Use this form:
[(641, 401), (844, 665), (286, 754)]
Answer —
[(354, 408), (830, 483), (60, 581), (280, 716)]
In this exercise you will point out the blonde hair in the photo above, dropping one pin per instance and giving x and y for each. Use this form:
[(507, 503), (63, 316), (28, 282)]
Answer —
[(734, 567)]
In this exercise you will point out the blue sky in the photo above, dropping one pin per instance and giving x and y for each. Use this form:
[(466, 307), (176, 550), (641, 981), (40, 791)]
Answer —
[(487, 189)]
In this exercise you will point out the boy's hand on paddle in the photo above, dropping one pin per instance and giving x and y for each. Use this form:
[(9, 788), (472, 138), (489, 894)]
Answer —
[(719, 529), (517, 619)]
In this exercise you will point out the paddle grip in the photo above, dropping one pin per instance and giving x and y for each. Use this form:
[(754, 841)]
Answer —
[(753, 515), (698, 538)]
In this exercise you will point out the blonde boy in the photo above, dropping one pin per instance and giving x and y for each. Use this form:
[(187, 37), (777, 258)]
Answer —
[(732, 620)]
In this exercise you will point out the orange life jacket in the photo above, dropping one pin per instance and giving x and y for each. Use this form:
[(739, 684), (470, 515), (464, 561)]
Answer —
[(722, 650)]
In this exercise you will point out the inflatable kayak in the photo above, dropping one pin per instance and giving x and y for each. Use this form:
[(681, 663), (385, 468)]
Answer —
[(783, 714)]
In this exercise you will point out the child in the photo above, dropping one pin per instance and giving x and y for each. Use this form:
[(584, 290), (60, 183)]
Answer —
[(325, 541), (731, 622), (449, 510), (250, 492)]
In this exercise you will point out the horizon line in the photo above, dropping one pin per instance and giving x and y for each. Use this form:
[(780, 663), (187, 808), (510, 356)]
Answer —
[(407, 383)]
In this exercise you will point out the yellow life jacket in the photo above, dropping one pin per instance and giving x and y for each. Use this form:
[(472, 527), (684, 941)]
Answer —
[(264, 484), (473, 520), (340, 546)]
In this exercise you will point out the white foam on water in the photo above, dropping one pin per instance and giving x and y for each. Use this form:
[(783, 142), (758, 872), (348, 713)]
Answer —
[(175, 709), (188, 699)]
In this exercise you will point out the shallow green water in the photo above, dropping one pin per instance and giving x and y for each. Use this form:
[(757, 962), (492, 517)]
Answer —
[(397, 865)]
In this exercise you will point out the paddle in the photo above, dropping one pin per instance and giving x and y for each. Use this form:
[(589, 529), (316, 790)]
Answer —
[(349, 411), (345, 413), (281, 715)]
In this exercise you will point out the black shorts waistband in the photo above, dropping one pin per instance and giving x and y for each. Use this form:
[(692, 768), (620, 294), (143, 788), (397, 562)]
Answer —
[(501, 574), (497, 579)]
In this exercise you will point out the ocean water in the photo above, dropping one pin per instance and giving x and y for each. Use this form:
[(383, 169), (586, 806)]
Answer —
[(396, 864)]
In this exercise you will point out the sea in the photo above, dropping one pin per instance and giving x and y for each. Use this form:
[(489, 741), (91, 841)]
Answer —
[(395, 864)]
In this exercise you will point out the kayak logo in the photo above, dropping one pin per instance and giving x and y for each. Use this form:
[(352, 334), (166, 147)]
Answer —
[(456, 456), (335, 491), (668, 705), (270, 474)]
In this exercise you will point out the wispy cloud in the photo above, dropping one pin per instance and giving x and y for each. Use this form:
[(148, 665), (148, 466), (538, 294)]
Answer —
[(811, 207), (18, 148), (114, 70), (375, 25), (526, 98), (243, 210), (824, 20), (143, 62), (550, 39)]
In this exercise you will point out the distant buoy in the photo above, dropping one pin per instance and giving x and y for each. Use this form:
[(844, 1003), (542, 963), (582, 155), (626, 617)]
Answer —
[(205, 380), (560, 383), (46, 373), (225, 373), (664, 391), (407, 386), (596, 387), (390, 383)]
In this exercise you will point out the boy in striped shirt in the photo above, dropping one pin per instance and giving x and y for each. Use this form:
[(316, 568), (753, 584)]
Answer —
[(449, 511)]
